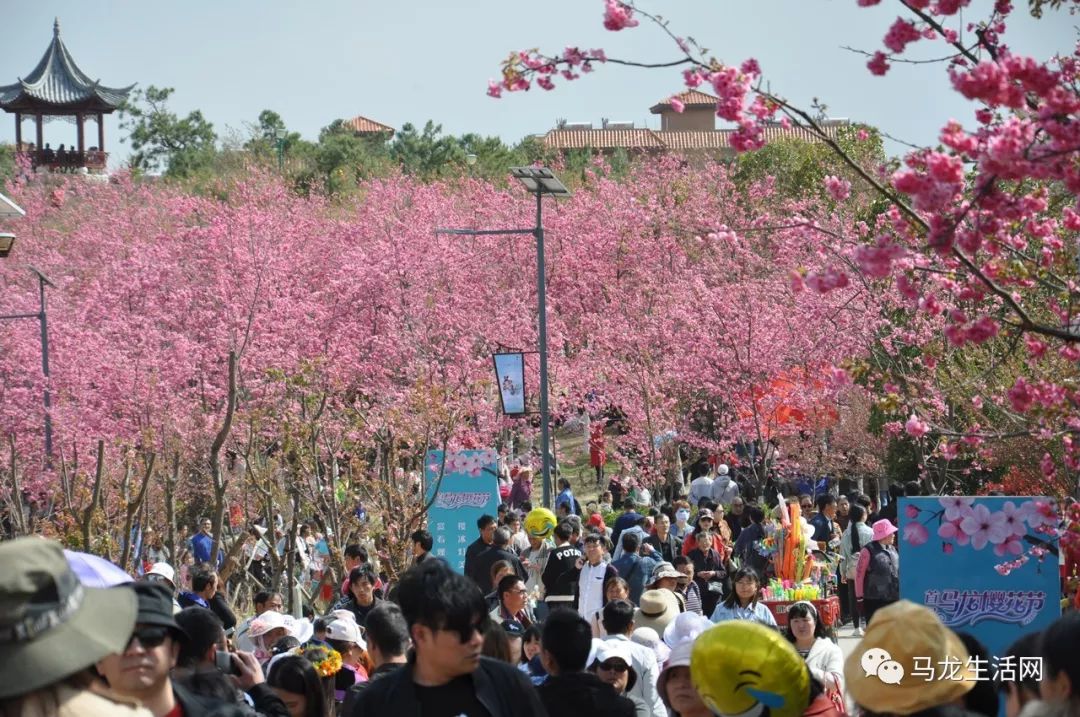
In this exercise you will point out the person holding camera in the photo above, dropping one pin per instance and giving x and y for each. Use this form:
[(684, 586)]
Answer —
[(207, 667)]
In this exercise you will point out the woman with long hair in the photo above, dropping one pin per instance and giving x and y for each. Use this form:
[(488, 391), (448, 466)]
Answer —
[(295, 680), (742, 603), (855, 537)]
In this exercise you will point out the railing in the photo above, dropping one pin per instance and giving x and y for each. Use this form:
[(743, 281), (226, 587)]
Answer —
[(93, 160)]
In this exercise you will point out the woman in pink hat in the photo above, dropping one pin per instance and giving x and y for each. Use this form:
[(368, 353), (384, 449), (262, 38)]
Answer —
[(877, 575)]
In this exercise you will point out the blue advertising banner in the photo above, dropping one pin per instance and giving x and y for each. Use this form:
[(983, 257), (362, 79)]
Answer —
[(987, 566), (469, 488)]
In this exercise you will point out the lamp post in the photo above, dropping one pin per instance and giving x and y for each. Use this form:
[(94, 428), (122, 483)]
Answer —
[(279, 136), (9, 209), (539, 181)]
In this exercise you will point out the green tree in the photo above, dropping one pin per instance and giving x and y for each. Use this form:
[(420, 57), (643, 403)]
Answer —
[(7, 163), (427, 153), (163, 140)]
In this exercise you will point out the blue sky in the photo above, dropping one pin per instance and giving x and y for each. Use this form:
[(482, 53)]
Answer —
[(319, 60)]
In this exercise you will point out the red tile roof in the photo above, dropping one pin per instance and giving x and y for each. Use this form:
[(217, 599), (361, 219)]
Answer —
[(674, 141), (364, 125), (689, 98)]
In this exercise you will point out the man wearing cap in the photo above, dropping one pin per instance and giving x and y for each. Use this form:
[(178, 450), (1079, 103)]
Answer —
[(615, 666), (53, 630), (141, 670), (618, 619), (163, 573), (594, 577)]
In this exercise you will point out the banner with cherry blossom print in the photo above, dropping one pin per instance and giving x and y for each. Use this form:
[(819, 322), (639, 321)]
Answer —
[(987, 565), (469, 487)]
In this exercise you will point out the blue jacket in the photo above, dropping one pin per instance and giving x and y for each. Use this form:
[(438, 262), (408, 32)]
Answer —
[(635, 570)]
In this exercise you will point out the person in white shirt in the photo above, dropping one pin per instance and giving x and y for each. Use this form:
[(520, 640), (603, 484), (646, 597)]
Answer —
[(619, 624), (823, 657), (593, 579), (700, 487)]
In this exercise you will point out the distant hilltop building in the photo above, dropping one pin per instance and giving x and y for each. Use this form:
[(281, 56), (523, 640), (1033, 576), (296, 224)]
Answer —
[(56, 87), (692, 130), (364, 127)]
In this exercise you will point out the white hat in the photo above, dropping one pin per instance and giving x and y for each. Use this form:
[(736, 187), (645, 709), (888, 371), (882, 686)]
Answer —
[(346, 631), (163, 570), (272, 620), (649, 638), (722, 469)]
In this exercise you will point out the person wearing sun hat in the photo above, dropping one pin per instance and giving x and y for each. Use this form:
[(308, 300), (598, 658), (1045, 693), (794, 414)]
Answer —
[(53, 630), (614, 665), (657, 609), (900, 633), (877, 574)]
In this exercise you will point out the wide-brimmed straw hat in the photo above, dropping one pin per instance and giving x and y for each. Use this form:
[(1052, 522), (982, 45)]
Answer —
[(899, 634), (52, 626), (658, 609)]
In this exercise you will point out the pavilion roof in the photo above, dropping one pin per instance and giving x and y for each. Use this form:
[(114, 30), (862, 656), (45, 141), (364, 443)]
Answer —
[(57, 84)]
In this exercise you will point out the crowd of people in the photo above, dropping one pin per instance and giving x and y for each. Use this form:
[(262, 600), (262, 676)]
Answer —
[(556, 613)]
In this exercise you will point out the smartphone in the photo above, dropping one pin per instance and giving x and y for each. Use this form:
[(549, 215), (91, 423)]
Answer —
[(224, 661)]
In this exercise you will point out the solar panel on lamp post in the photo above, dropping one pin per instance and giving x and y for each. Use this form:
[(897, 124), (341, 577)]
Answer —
[(541, 181)]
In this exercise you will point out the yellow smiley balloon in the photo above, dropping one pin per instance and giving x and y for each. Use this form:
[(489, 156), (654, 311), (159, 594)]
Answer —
[(746, 669), (540, 522)]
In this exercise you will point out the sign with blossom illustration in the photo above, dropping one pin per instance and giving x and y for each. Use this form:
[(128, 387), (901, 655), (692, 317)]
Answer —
[(468, 489), (987, 566)]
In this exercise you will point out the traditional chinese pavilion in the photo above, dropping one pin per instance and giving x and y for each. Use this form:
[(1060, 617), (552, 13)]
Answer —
[(58, 89)]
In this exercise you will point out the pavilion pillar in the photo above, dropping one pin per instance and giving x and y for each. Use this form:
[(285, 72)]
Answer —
[(101, 132), (40, 139), (18, 131), (82, 138)]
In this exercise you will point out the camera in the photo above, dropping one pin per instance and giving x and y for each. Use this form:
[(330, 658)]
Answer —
[(223, 659)]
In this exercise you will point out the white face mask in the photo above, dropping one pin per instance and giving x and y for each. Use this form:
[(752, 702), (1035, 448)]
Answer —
[(681, 516)]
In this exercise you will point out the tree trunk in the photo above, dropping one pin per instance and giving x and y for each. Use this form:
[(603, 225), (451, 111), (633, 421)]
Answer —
[(170, 508), (132, 509), (19, 519), (216, 473), (95, 496)]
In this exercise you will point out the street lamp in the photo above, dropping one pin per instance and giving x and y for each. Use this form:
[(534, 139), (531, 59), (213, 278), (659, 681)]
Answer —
[(539, 181), (279, 135)]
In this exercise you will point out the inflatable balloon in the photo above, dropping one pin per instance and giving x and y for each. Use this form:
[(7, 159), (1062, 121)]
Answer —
[(744, 668), (540, 522)]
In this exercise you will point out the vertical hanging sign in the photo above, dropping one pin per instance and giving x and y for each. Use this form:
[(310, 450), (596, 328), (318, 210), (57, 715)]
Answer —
[(510, 375)]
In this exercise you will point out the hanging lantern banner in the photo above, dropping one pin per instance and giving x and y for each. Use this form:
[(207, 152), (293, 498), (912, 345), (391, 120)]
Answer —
[(510, 375), (986, 565), (469, 488)]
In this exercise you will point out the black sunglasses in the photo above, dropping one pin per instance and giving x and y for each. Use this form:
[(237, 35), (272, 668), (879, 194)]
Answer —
[(150, 636), (614, 666)]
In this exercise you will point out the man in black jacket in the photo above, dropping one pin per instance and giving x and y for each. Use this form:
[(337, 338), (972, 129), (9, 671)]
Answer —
[(486, 524), (387, 642), (570, 690), (446, 675), (498, 550)]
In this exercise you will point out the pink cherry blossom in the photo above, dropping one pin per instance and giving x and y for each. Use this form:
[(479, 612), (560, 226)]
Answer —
[(916, 533), (878, 65), (1011, 546), (1016, 517), (618, 16), (839, 189), (950, 530), (984, 526), (956, 506), (947, 548), (912, 511), (916, 427)]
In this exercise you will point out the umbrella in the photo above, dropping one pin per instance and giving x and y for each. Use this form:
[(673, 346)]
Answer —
[(95, 572)]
